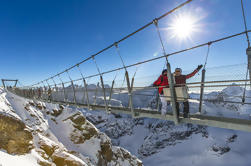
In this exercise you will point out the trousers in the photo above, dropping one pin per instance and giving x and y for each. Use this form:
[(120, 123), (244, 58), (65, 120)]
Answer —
[(186, 108)]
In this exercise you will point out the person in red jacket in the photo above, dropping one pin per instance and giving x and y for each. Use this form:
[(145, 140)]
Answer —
[(162, 82), (180, 80)]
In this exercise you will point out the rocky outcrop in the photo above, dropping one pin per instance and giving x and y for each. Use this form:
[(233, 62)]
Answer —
[(15, 138), (106, 154), (54, 154)]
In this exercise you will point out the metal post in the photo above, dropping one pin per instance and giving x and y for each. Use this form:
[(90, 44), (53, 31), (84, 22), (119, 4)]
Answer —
[(129, 93), (249, 61), (49, 92), (3, 83), (202, 89), (73, 88), (103, 88), (65, 98), (86, 93), (55, 87), (111, 92), (173, 93), (158, 100), (86, 90), (96, 91), (15, 83), (74, 93), (131, 98), (132, 82), (46, 98)]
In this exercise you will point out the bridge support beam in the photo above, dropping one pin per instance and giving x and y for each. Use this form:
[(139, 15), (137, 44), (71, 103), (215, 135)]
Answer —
[(86, 94), (110, 97), (103, 88), (129, 87), (172, 91), (96, 93), (74, 92), (202, 89), (3, 83), (4, 80), (249, 62), (64, 92)]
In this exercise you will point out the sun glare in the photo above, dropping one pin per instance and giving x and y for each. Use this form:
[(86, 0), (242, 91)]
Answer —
[(183, 26)]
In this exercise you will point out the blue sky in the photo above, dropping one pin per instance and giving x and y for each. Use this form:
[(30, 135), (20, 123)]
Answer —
[(41, 38)]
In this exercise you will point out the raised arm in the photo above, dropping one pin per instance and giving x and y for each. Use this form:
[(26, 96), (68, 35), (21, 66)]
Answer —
[(194, 72)]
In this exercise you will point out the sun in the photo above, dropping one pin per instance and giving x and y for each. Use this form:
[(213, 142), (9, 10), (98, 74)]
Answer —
[(183, 26)]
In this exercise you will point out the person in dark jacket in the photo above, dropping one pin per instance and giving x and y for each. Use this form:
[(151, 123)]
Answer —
[(180, 80)]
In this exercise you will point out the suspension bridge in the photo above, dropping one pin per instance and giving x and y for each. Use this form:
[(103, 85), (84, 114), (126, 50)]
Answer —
[(78, 93)]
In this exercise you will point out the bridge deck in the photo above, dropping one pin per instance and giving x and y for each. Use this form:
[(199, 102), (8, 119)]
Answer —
[(214, 121)]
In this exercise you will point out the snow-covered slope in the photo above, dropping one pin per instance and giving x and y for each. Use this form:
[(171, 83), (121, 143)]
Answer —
[(35, 133), (158, 142)]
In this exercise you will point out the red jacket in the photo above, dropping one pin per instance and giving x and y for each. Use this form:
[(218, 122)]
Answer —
[(179, 80), (161, 81)]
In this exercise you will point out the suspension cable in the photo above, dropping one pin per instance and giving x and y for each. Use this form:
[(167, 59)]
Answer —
[(117, 49), (60, 78), (44, 85), (208, 49), (80, 72), (155, 22), (68, 75), (245, 23), (93, 58), (54, 82), (47, 83), (245, 87)]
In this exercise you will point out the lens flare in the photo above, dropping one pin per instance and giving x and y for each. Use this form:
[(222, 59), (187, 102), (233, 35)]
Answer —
[(183, 26)]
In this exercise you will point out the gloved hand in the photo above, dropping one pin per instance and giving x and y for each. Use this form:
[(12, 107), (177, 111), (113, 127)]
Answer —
[(199, 67)]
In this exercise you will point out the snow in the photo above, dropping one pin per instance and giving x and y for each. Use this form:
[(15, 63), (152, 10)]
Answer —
[(167, 144), (10, 160), (155, 142), (158, 142)]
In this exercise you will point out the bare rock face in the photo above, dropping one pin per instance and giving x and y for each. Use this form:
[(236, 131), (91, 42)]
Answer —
[(83, 130), (55, 154), (14, 137), (106, 154)]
